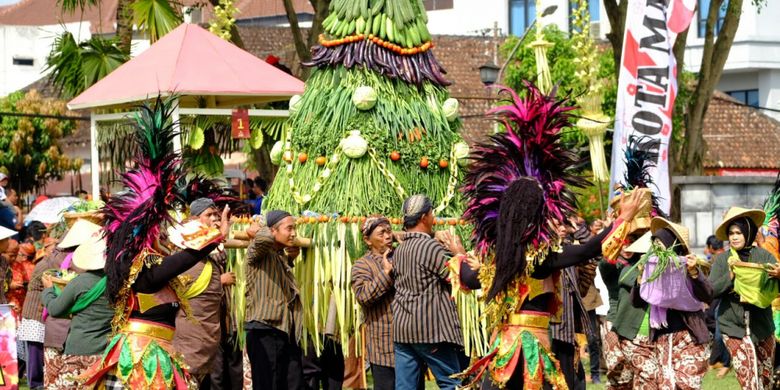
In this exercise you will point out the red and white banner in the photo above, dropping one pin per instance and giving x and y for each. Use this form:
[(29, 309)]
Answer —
[(648, 86)]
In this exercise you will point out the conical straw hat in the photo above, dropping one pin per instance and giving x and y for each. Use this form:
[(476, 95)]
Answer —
[(756, 215), (91, 254), (681, 232), (641, 245), (78, 233)]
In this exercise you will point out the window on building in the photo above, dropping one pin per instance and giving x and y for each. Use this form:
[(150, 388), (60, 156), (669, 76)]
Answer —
[(704, 7), (433, 5), (746, 96), (23, 61), (521, 14)]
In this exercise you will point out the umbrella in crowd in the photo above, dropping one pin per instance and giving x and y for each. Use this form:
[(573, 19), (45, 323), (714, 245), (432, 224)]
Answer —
[(50, 210)]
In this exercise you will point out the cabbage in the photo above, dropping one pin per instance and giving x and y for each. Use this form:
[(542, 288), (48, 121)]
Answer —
[(354, 146), (461, 151), (450, 109), (364, 97), (295, 104), (276, 152)]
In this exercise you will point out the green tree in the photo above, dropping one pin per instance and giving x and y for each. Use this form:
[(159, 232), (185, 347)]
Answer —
[(29, 146), (561, 57)]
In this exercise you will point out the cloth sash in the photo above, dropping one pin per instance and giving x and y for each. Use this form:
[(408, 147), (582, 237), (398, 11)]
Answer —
[(200, 284), (671, 290), (752, 283), (86, 299)]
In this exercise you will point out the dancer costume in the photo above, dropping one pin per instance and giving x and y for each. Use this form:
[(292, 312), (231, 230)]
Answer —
[(142, 279), (519, 316)]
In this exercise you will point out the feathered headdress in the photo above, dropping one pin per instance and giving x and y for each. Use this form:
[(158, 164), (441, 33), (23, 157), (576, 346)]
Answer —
[(133, 218), (639, 159), (530, 148)]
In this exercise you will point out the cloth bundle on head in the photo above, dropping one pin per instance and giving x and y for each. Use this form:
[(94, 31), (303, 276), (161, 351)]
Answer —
[(200, 205), (414, 208), (371, 223), (273, 217), (27, 249)]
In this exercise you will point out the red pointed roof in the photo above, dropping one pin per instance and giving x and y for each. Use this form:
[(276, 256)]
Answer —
[(191, 62)]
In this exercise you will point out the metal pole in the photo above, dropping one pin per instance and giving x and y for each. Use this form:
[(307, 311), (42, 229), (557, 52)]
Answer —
[(176, 127), (94, 163)]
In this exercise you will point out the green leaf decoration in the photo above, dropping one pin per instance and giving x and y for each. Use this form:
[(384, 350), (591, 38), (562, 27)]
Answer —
[(531, 352), (149, 362), (164, 359), (125, 360)]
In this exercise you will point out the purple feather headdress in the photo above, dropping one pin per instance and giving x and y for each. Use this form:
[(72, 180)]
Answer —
[(530, 147), (134, 217)]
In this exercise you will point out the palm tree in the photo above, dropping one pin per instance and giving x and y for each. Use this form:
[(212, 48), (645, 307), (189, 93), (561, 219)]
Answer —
[(75, 67)]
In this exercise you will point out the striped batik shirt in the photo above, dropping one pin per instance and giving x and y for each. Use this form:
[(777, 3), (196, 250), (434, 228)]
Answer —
[(423, 311), (373, 289), (573, 319), (272, 296)]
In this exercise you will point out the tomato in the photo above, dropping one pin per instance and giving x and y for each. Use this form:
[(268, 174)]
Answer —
[(424, 163), (395, 156)]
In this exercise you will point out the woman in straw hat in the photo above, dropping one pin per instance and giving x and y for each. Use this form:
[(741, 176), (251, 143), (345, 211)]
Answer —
[(84, 299), (674, 297), (745, 313), (54, 330), (627, 350)]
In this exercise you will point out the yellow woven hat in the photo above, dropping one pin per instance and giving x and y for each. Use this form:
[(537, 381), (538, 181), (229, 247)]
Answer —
[(78, 233), (681, 232), (756, 215), (642, 219)]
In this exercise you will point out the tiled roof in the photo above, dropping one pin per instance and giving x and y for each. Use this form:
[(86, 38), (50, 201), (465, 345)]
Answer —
[(48, 12), (102, 19), (738, 136)]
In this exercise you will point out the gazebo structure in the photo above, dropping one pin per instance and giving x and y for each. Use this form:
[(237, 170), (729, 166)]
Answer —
[(206, 74)]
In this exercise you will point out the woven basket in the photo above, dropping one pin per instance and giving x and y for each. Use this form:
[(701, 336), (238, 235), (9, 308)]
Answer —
[(91, 216)]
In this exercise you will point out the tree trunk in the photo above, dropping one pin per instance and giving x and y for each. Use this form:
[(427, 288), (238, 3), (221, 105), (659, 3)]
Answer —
[(124, 24), (713, 60), (675, 150), (320, 13), (617, 21), (300, 44), (265, 169)]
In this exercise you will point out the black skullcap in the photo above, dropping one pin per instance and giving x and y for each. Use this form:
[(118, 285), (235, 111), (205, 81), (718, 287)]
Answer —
[(198, 206), (275, 216)]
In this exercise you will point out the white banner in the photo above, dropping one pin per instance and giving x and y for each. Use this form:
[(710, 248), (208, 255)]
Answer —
[(648, 85)]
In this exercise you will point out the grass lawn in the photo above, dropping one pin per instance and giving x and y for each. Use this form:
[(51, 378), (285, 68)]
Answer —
[(729, 382)]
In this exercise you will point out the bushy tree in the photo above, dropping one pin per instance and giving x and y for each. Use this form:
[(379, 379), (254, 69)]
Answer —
[(29, 146)]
